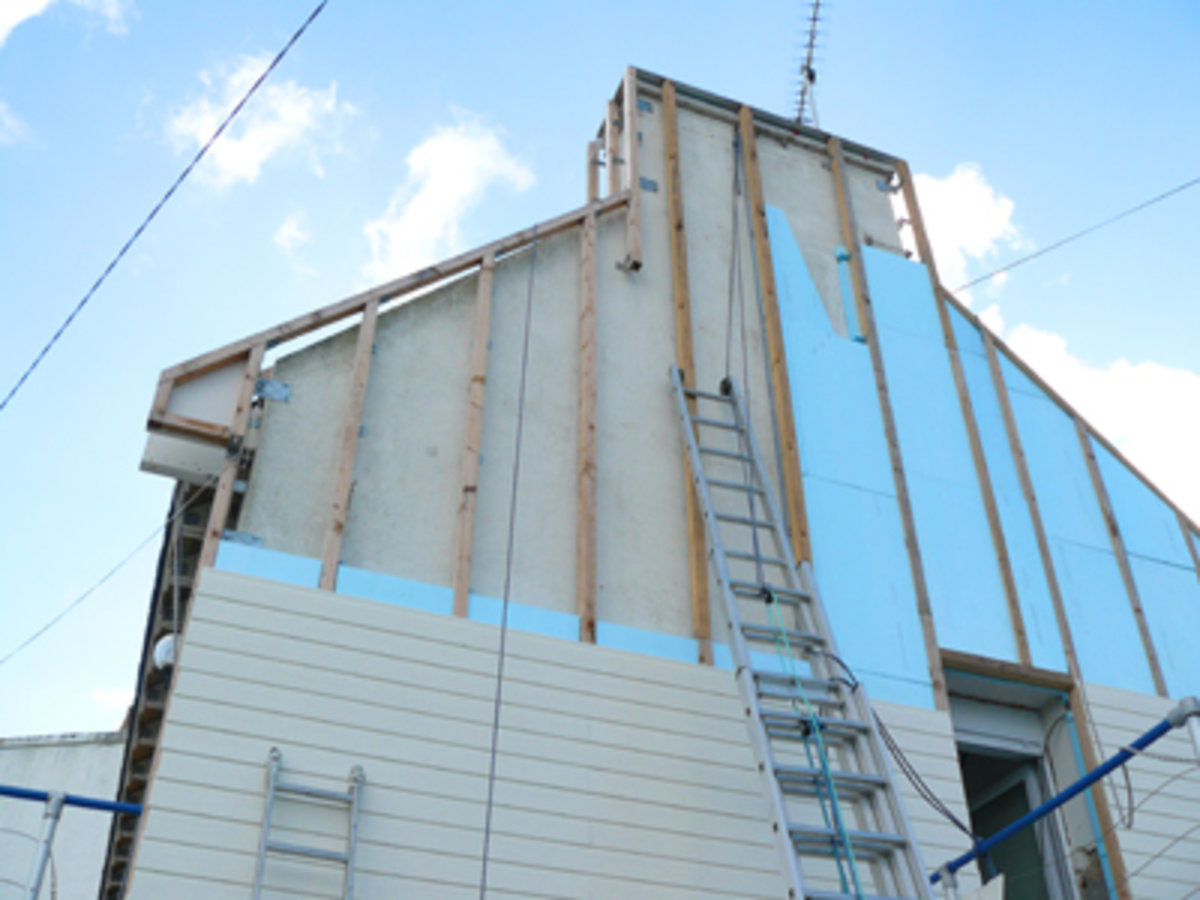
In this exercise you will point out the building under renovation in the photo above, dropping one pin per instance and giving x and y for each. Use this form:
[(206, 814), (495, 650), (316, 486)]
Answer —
[(694, 543)]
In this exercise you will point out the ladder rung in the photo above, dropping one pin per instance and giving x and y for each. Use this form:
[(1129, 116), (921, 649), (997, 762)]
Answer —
[(744, 520), (838, 895), (768, 635), (728, 454), (735, 486), (813, 840), (311, 852), (715, 423), (797, 726), (750, 557), (755, 591), (809, 780), (285, 787), (705, 395)]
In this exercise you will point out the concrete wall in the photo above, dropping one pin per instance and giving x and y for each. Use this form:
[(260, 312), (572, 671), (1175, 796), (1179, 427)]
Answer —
[(617, 774), (86, 764)]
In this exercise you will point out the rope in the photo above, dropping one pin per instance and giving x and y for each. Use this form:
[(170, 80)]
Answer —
[(508, 567)]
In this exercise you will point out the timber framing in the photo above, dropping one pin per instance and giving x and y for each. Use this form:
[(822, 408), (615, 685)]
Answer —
[(1191, 544), (925, 249), (793, 486), (866, 316), (585, 530), (686, 361)]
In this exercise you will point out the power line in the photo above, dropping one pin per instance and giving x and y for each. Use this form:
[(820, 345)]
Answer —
[(1081, 233), (158, 206), (74, 604)]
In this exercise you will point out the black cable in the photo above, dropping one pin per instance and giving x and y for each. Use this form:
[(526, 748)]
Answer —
[(1081, 233), (158, 207)]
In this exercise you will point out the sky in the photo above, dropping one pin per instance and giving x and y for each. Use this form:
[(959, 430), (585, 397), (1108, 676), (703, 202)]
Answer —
[(395, 134)]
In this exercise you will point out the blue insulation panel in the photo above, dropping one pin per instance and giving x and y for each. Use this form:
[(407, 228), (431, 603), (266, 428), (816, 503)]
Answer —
[(860, 561), (961, 570), (274, 565), (1171, 601), (394, 590), (1029, 575), (1149, 527)]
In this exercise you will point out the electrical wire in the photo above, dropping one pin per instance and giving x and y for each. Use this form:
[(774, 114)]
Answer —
[(137, 233), (508, 567), (75, 604), (1020, 261)]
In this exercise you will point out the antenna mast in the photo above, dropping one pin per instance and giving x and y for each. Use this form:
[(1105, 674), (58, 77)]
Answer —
[(808, 74)]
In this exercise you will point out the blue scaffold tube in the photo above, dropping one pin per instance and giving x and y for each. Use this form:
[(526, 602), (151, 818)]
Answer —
[(1116, 761), (19, 793)]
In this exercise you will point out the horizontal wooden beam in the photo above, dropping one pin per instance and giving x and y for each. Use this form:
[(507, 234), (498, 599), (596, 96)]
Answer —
[(335, 312), (1007, 671), (208, 432)]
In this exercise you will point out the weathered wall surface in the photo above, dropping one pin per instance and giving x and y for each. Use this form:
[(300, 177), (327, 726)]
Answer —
[(85, 764), (617, 775)]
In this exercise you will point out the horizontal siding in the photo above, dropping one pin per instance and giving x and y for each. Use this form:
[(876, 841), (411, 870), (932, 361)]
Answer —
[(1162, 849), (618, 774)]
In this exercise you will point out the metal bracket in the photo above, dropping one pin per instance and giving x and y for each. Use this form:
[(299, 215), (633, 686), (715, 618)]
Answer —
[(241, 537), (270, 389), (648, 184)]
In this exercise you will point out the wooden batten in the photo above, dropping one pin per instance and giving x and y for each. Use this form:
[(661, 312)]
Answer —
[(631, 138), (344, 474), (1078, 703), (194, 428), (223, 492), (1020, 673), (464, 531), (1187, 539), (1118, 546), (585, 534), (793, 485), (593, 171), (991, 509), (685, 360), (866, 317), (612, 147)]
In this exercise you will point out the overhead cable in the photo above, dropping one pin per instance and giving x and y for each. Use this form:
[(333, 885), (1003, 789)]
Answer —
[(1081, 233), (200, 154)]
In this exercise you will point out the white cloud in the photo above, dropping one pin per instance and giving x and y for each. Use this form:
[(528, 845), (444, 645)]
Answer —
[(291, 234), (12, 129), (14, 12), (1146, 409), (112, 699), (280, 116), (448, 174), (968, 221)]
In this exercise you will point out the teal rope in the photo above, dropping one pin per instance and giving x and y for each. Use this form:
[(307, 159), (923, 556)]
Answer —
[(784, 648)]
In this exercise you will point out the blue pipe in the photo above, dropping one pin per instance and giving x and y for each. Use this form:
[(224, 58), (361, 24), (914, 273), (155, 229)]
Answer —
[(1174, 719), (129, 809)]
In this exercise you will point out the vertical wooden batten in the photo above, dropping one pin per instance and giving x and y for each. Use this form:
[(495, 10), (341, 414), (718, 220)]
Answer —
[(991, 510), (1079, 707), (464, 531), (223, 492), (593, 171), (585, 534), (793, 485), (632, 137), (344, 474), (1118, 546), (1187, 539), (612, 147), (866, 317), (685, 360)]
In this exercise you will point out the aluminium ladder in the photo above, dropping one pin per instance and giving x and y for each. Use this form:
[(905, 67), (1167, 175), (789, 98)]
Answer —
[(348, 798), (840, 828)]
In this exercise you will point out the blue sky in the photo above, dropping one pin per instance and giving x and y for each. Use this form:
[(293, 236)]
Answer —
[(1025, 121)]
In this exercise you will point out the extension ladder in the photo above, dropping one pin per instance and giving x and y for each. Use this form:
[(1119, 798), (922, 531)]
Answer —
[(840, 828), (349, 798)]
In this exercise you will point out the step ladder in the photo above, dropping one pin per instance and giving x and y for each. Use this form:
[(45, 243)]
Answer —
[(349, 798), (840, 829)]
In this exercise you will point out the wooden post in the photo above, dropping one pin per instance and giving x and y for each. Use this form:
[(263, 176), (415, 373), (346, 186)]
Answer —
[(344, 474), (593, 171), (464, 531), (1118, 545), (866, 317), (585, 534), (1078, 703), (632, 137), (991, 510), (685, 360), (793, 485), (612, 147), (223, 493), (1187, 539)]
